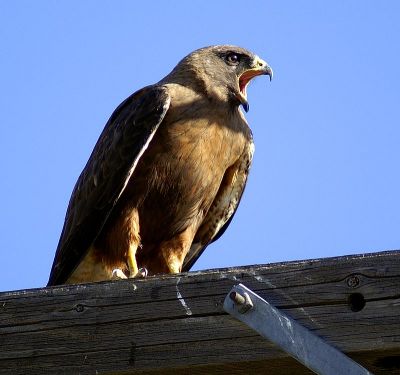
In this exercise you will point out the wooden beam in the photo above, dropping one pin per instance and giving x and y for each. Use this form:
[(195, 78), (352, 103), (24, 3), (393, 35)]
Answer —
[(176, 324)]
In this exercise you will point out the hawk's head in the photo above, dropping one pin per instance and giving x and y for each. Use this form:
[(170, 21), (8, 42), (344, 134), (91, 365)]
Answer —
[(222, 72)]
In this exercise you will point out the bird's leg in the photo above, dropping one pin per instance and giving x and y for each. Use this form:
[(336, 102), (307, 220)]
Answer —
[(174, 250), (126, 230), (131, 261), (134, 271)]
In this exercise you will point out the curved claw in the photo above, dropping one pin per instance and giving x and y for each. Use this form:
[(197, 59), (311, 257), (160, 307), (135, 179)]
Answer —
[(142, 272), (117, 274)]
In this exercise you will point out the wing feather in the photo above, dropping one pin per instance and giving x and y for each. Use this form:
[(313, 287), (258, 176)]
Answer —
[(106, 174)]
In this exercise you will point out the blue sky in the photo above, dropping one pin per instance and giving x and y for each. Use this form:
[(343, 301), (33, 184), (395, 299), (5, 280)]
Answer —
[(325, 178)]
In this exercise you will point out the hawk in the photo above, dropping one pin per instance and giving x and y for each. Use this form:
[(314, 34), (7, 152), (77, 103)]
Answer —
[(166, 174)]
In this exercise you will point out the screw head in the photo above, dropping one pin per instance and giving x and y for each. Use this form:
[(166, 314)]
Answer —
[(353, 281), (79, 308)]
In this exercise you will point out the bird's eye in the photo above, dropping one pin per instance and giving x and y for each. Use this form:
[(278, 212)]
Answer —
[(232, 58)]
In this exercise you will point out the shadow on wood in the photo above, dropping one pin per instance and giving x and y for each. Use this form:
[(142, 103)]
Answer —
[(176, 324)]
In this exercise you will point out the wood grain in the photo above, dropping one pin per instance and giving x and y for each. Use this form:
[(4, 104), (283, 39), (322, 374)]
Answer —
[(176, 324)]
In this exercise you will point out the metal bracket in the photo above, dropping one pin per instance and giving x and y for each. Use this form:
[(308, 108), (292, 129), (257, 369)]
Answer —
[(290, 336)]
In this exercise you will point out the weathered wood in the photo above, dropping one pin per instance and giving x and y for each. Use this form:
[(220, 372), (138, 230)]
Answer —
[(176, 325)]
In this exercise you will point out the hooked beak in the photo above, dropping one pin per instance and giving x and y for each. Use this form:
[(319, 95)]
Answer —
[(260, 67)]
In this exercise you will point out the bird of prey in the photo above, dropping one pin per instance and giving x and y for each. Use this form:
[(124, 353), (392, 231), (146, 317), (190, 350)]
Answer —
[(166, 174)]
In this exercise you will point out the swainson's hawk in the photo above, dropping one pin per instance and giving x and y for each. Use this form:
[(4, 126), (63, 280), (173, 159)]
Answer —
[(166, 175)]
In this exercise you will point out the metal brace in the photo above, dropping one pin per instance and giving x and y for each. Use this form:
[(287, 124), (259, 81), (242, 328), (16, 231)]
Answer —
[(290, 336)]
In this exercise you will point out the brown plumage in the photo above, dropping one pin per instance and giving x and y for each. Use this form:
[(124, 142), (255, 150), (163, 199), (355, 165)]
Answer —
[(166, 174)]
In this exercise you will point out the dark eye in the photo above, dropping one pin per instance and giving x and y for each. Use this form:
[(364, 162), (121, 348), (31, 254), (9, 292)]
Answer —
[(233, 58)]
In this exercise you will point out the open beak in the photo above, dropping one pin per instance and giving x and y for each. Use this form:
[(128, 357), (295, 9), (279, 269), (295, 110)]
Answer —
[(260, 67)]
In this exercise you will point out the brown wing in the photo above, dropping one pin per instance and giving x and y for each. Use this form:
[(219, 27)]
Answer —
[(105, 176), (223, 207)]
